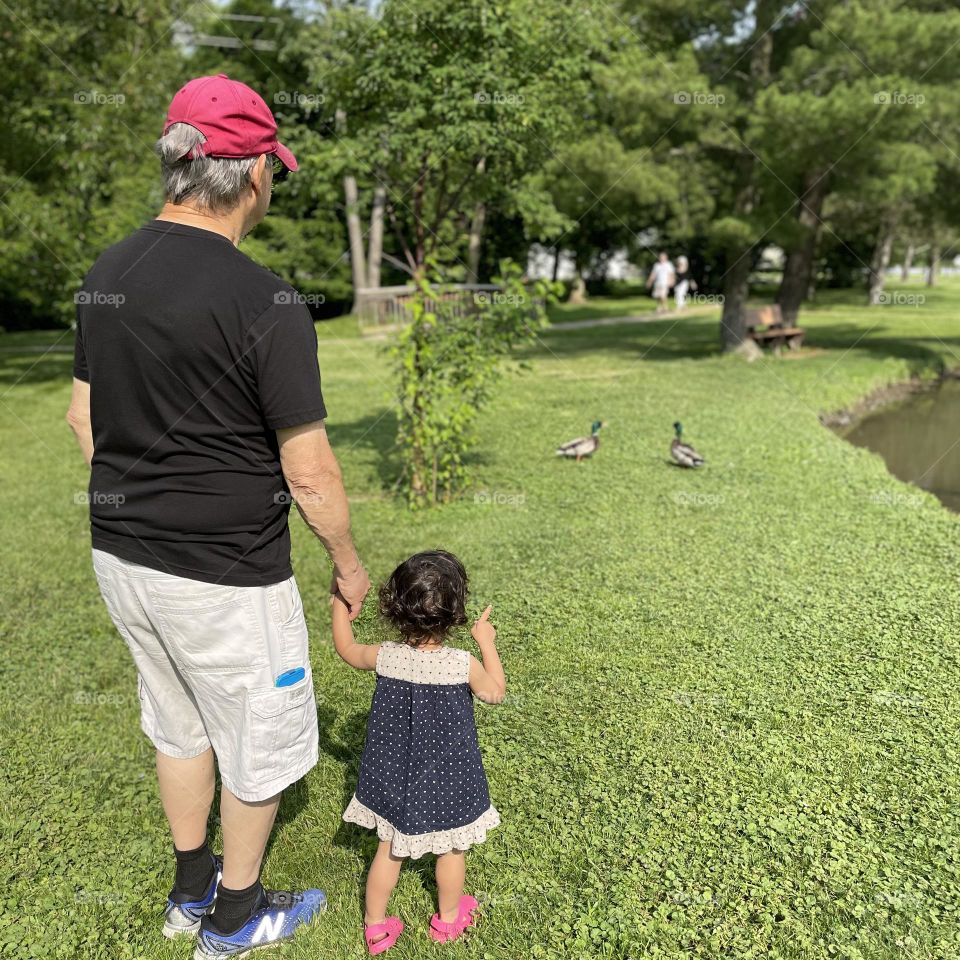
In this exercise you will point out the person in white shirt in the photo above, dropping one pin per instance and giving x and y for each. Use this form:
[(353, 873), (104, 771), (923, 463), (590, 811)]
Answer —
[(684, 282), (661, 279)]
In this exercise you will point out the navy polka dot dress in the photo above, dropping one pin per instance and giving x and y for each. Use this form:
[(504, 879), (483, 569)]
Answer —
[(422, 784)]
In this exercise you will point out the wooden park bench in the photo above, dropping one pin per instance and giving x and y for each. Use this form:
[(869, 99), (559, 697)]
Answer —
[(766, 328)]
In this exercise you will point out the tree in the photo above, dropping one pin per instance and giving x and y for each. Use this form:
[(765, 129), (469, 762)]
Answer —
[(84, 97), (448, 358), (448, 107), (258, 43), (633, 176)]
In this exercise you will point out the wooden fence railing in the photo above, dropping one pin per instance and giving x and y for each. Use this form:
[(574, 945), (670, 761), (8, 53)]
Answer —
[(389, 306)]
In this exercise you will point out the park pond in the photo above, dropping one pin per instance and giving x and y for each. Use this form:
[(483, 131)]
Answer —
[(919, 439)]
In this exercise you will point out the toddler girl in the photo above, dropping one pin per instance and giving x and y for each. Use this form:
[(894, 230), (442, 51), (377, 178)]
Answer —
[(422, 785)]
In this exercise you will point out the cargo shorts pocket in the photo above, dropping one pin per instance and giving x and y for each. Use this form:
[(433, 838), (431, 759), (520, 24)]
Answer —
[(283, 729), (291, 628)]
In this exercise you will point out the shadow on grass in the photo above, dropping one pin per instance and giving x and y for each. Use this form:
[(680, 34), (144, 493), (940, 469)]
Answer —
[(674, 338), (376, 433), (923, 354), (34, 368), (698, 338)]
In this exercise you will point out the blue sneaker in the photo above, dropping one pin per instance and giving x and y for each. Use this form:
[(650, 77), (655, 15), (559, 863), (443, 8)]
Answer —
[(182, 917), (277, 918)]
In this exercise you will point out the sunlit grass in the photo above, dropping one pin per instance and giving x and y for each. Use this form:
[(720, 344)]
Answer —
[(730, 729)]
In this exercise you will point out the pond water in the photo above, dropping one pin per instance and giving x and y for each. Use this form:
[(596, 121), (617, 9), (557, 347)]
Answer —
[(920, 440)]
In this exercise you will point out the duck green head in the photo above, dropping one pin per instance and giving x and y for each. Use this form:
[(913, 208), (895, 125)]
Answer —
[(678, 428), (595, 429)]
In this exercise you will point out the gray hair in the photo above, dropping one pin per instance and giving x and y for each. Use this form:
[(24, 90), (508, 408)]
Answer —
[(213, 183)]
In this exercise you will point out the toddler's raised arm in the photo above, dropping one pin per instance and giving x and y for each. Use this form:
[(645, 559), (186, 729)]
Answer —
[(487, 679)]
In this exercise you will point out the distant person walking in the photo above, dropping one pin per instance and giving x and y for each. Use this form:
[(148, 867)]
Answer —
[(684, 282), (661, 279)]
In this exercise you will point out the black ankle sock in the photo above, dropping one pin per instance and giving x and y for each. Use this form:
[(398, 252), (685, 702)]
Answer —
[(195, 870), (235, 907)]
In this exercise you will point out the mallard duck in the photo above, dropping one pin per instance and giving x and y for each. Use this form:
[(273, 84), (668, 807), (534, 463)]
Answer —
[(582, 446), (682, 452)]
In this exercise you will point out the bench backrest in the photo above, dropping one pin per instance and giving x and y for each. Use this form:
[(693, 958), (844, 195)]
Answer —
[(768, 316)]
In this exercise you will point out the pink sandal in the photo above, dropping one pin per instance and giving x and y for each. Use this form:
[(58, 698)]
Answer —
[(443, 932), (392, 927)]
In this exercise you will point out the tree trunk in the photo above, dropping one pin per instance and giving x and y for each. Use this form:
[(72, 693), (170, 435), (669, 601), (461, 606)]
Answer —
[(798, 269), (417, 206), (375, 248), (879, 263), (357, 263), (736, 284), (907, 263), (475, 241), (476, 232), (357, 266), (733, 321), (556, 263), (934, 267), (578, 292)]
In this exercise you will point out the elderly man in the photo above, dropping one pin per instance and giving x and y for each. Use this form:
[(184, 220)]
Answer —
[(197, 404)]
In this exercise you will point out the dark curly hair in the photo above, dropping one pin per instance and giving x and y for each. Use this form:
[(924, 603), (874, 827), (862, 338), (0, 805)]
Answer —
[(426, 596)]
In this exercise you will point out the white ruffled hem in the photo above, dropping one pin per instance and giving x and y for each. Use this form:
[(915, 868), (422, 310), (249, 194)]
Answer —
[(416, 845)]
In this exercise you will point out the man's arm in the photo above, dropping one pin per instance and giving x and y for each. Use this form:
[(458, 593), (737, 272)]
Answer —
[(78, 416), (316, 484)]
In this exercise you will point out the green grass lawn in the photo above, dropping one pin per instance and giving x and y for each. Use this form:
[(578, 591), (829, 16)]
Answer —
[(731, 727)]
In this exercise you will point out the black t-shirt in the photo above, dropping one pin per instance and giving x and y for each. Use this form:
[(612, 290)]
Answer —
[(195, 356)]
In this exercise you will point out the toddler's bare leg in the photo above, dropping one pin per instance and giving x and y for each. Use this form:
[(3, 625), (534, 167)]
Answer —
[(451, 871), (382, 878)]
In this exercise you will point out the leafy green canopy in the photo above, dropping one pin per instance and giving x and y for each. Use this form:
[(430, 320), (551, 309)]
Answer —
[(448, 105), (84, 90)]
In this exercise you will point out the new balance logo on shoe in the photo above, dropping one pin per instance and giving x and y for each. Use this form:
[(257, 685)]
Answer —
[(270, 928)]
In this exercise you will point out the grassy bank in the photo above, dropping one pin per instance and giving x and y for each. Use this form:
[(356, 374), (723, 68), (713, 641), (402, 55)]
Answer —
[(731, 725)]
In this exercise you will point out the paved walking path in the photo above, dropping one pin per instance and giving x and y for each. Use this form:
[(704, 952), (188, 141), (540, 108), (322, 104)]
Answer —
[(615, 321), (380, 333)]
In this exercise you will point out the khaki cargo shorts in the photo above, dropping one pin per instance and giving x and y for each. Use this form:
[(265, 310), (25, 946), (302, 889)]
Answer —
[(208, 657)]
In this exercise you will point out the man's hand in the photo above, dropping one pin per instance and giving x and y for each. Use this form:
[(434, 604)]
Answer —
[(483, 630), (352, 585)]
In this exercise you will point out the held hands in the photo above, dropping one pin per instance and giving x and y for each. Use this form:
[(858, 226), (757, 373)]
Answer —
[(351, 586), (483, 631)]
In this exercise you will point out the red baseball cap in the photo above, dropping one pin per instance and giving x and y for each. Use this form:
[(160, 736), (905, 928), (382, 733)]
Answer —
[(234, 119)]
